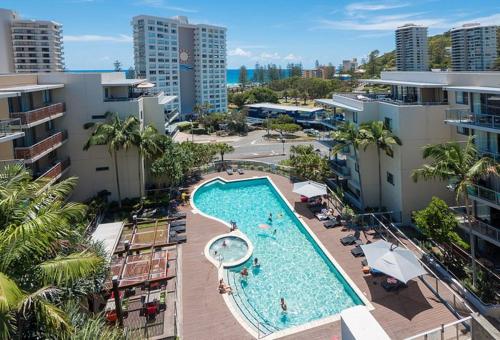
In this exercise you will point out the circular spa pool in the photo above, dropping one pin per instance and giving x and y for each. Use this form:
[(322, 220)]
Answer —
[(228, 249)]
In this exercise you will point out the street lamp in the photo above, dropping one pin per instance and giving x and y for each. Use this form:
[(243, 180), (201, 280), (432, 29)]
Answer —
[(283, 143)]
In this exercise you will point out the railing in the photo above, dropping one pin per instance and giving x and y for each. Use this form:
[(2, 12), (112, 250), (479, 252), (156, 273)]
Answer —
[(465, 116), (340, 166), (478, 226), (484, 193), (456, 330), (43, 146), (9, 126), (32, 116), (487, 153), (249, 165), (55, 171), (386, 98)]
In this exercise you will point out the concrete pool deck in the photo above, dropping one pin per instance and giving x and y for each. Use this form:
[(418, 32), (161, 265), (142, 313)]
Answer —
[(206, 316)]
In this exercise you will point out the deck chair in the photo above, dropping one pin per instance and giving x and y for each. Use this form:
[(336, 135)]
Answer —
[(357, 251), (177, 223), (178, 229), (330, 224), (176, 238), (229, 171), (177, 215), (240, 171), (350, 239)]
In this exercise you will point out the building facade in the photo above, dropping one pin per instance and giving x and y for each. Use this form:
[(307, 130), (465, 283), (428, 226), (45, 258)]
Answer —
[(44, 116), (473, 47), (183, 60), (29, 46), (350, 65), (412, 48)]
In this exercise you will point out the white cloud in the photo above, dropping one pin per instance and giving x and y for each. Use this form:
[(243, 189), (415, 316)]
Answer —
[(163, 5), (121, 38), (493, 19), (238, 51), (269, 56), (370, 6), (292, 57)]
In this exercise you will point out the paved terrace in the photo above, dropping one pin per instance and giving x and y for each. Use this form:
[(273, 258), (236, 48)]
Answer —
[(206, 316)]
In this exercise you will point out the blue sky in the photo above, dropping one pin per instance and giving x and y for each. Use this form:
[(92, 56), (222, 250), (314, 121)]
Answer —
[(97, 32)]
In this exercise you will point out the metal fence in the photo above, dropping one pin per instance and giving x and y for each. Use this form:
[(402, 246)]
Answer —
[(457, 330)]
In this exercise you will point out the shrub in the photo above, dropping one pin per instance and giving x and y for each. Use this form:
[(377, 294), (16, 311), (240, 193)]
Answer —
[(199, 131), (183, 126)]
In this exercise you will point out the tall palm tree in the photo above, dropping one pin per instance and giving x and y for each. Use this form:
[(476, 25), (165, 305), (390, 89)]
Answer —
[(149, 145), (348, 134), (462, 167), (378, 134), (118, 135), (39, 258)]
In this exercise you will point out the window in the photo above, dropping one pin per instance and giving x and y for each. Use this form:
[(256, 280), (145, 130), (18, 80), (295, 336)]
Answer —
[(462, 98), (390, 178), (388, 123), (98, 116), (102, 168)]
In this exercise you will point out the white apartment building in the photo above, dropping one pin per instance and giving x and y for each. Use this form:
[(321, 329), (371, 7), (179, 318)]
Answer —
[(29, 46), (350, 65), (424, 108), (183, 60), (412, 48), (473, 47), (43, 116)]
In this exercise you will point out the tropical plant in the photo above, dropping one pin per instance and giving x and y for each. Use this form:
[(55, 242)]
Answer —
[(437, 222), (41, 258), (462, 167), (282, 124), (117, 134), (222, 149), (149, 145), (308, 164), (348, 134), (378, 134)]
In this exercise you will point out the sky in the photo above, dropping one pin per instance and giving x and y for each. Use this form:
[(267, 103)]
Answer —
[(98, 32)]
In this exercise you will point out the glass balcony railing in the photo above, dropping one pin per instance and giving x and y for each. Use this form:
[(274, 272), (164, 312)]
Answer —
[(464, 116), (9, 127), (45, 145), (33, 116), (487, 153), (340, 167), (479, 227), (484, 193)]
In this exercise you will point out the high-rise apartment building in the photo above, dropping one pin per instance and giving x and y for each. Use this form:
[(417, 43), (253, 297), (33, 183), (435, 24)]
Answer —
[(183, 60), (473, 47), (350, 65), (411, 48), (29, 46)]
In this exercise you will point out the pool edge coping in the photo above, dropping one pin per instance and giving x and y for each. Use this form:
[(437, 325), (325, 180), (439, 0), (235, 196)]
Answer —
[(220, 271)]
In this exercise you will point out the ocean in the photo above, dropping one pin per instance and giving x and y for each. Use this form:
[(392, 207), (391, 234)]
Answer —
[(232, 74)]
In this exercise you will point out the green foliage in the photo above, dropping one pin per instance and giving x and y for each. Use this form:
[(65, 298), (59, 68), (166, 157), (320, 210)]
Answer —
[(438, 56), (198, 131), (184, 126), (282, 124), (296, 87), (222, 149), (41, 258), (437, 222), (252, 96), (308, 164)]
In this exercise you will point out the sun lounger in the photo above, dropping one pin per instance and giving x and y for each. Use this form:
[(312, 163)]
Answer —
[(177, 215), (351, 239), (357, 251), (176, 238), (178, 229), (229, 171), (240, 171), (316, 208), (392, 287), (330, 224), (177, 223)]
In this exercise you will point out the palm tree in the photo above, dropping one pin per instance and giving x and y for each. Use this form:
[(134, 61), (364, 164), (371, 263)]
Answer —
[(149, 145), (295, 94), (462, 167), (348, 134), (305, 97), (378, 134), (223, 148), (118, 135), (285, 95), (39, 258)]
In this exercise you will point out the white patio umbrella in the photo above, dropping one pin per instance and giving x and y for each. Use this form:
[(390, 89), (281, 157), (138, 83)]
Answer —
[(309, 189), (145, 85), (392, 260)]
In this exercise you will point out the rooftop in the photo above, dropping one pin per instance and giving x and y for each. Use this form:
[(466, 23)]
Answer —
[(476, 89), (108, 234), (122, 82), (402, 82), (9, 94), (31, 88), (279, 107)]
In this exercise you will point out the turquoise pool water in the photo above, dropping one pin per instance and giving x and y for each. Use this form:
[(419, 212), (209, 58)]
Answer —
[(292, 264), (228, 249)]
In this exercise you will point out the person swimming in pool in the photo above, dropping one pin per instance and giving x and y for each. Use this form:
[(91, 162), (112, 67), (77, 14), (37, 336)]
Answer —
[(224, 244), (275, 231), (270, 218), (283, 305), (256, 263), (244, 273)]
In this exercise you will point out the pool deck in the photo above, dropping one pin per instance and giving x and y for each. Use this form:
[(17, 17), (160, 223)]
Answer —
[(206, 316)]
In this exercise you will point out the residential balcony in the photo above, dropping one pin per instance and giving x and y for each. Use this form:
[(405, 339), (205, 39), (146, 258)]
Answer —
[(383, 98), (464, 117), (339, 166), (34, 152), (55, 171), (40, 115), (479, 228), (485, 195), (10, 129), (487, 153)]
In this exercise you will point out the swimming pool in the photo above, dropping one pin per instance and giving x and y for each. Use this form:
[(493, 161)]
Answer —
[(228, 249), (293, 265)]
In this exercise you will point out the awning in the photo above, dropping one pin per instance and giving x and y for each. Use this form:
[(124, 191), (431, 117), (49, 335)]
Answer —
[(392, 260), (309, 189), (475, 89)]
